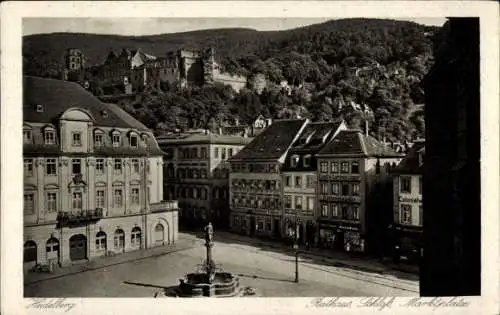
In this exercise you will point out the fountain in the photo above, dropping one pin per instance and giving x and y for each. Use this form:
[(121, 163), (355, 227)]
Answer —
[(211, 280)]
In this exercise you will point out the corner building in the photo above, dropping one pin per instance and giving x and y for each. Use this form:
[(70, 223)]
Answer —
[(93, 178), (197, 174), (355, 192), (255, 180)]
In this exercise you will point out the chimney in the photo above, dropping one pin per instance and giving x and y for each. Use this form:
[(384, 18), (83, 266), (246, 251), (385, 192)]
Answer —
[(220, 131)]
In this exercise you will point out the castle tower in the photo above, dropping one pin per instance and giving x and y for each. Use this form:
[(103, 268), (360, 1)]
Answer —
[(208, 63), (74, 60)]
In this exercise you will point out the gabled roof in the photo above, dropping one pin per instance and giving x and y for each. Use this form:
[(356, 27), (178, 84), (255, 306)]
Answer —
[(413, 162), (315, 136), (355, 143), (272, 142)]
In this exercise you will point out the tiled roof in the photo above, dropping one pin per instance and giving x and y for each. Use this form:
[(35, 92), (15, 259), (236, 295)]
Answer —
[(355, 143), (176, 139), (272, 142), (412, 163)]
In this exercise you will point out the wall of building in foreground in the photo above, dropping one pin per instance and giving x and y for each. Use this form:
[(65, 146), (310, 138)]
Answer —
[(451, 264)]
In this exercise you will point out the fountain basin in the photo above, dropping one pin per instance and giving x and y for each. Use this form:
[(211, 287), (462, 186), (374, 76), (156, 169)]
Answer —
[(224, 284)]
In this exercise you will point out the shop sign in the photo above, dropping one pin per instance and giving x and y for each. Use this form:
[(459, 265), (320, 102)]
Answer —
[(410, 200)]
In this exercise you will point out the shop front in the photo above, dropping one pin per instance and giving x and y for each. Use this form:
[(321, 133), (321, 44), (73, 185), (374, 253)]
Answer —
[(341, 237), (408, 244)]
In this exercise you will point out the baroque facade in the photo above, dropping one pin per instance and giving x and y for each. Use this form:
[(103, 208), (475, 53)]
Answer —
[(197, 174), (92, 178)]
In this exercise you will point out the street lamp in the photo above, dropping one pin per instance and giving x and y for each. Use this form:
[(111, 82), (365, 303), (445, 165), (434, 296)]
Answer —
[(296, 247)]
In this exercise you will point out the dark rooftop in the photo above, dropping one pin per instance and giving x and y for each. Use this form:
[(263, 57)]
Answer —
[(355, 143), (272, 142), (57, 96), (413, 163)]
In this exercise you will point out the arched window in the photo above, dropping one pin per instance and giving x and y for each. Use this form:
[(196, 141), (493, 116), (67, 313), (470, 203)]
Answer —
[(135, 237), (100, 241), (119, 239), (30, 251), (159, 233)]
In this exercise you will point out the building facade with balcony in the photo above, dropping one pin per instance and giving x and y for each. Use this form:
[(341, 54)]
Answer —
[(255, 180), (197, 174), (300, 181), (92, 178), (406, 229), (354, 192)]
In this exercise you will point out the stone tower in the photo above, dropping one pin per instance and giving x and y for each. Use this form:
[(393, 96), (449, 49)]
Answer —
[(208, 62)]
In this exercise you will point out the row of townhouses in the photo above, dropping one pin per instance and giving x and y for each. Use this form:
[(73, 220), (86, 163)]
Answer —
[(93, 178), (327, 186)]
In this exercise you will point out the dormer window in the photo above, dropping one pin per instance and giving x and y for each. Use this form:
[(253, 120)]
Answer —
[(144, 138), (294, 160), (104, 114), (307, 160), (27, 135), (98, 139), (115, 138), (49, 136), (77, 139), (133, 141), (39, 108)]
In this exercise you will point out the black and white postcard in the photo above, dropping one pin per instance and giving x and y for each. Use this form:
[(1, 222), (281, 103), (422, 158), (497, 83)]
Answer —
[(250, 157)]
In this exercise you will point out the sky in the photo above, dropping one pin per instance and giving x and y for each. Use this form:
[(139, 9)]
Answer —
[(152, 26)]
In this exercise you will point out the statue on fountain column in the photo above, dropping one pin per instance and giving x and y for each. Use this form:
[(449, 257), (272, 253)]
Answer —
[(209, 233)]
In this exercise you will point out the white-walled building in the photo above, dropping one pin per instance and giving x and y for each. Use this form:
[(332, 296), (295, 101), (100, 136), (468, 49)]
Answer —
[(93, 178)]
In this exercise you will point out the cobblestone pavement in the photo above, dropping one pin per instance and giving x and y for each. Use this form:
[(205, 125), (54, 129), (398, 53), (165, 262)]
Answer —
[(270, 272)]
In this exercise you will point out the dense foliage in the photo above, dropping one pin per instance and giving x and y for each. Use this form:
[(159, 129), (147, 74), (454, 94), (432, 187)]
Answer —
[(342, 65)]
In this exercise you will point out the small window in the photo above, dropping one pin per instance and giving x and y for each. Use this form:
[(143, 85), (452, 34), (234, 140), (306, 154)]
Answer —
[(28, 167), (355, 189), (98, 140), (51, 202), (133, 141), (29, 203), (77, 200), (335, 188), (310, 181), (51, 167), (27, 136), (406, 185), (116, 140), (298, 202), (203, 153), (324, 167), (324, 210), (118, 166), (135, 166), (294, 160), (288, 202), (77, 139), (135, 196), (99, 198), (324, 188), (39, 108), (335, 210), (298, 181), (344, 168), (345, 189), (50, 137), (99, 166), (76, 166), (355, 167), (307, 161), (335, 167)]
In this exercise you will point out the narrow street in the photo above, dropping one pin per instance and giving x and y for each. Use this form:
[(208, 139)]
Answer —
[(270, 271)]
